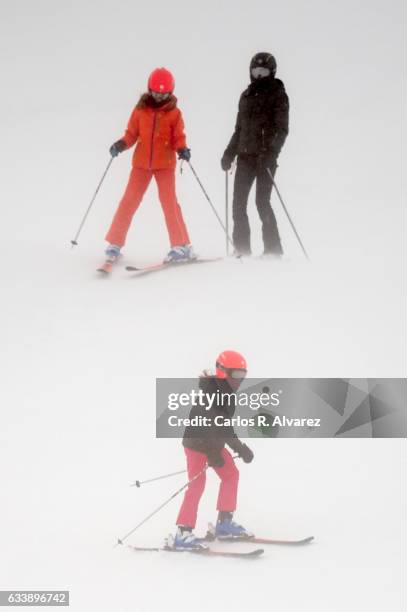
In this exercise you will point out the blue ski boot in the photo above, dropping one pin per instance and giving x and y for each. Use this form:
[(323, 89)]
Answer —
[(112, 253), (180, 254), (227, 529), (185, 540)]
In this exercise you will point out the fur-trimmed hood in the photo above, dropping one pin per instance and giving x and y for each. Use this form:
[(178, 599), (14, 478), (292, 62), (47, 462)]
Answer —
[(147, 101)]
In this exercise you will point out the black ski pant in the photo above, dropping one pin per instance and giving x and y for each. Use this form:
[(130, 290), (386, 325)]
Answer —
[(249, 169)]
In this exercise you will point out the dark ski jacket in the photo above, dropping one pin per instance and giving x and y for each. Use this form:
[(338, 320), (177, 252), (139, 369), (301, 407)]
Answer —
[(211, 440), (262, 121)]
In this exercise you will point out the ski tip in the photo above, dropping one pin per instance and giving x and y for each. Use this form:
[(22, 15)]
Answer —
[(286, 542), (255, 553), (105, 269), (298, 542), (251, 554)]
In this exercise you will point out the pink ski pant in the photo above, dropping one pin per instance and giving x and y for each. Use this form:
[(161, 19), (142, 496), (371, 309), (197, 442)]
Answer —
[(229, 480)]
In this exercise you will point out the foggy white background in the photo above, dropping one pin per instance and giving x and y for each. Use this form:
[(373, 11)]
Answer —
[(80, 355)]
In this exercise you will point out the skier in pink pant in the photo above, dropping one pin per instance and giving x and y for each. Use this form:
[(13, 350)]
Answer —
[(206, 445)]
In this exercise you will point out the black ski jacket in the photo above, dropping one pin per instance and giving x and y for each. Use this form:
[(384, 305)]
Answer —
[(262, 121), (210, 440)]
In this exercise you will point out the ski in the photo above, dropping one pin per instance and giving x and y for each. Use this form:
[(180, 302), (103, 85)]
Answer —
[(270, 541), (106, 268), (211, 537), (142, 270), (204, 552)]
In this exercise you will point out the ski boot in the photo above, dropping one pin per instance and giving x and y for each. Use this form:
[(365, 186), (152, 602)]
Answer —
[(227, 529), (184, 540), (272, 255), (180, 254), (112, 255), (241, 253)]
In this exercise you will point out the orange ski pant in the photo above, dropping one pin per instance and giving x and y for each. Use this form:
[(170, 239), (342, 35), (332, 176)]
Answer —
[(138, 182)]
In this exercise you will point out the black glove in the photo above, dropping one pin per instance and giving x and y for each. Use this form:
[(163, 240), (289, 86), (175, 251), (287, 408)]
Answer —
[(184, 154), (226, 161), (215, 459), (266, 162), (277, 144), (246, 453), (117, 147)]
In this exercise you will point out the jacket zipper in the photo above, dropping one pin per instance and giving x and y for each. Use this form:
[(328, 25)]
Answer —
[(152, 139)]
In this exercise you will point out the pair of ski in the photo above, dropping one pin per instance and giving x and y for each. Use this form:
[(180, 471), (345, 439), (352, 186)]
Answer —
[(251, 554), (107, 267)]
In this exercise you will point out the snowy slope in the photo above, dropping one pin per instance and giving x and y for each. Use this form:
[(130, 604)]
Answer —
[(81, 354)]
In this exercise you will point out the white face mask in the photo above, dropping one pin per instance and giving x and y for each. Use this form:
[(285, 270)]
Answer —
[(260, 73), (159, 97)]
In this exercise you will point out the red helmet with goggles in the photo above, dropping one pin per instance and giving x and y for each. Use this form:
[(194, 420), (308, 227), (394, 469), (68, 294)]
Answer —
[(231, 364)]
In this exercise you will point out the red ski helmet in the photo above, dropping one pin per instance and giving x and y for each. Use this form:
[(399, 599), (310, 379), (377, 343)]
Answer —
[(231, 364), (161, 81)]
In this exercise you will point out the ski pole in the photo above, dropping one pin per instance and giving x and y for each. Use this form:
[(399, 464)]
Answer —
[(74, 242), (211, 205), (138, 483), (121, 540), (227, 211), (286, 212)]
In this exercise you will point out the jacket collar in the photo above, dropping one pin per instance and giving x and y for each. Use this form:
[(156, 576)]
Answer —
[(261, 86), (147, 101)]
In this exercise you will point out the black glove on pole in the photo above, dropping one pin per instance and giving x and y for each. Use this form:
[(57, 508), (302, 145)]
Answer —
[(288, 216), (184, 154), (246, 453), (215, 459), (74, 242), (118, 147), (226, 161)]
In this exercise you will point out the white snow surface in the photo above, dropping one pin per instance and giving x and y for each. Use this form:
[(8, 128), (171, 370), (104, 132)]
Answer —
[(80, 354)]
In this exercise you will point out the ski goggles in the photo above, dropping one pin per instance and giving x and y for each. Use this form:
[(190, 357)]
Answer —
[(259, 72), (235, 373), (158, 96)]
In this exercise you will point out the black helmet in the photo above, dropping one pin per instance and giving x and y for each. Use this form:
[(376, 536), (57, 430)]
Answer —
[(263, 60)]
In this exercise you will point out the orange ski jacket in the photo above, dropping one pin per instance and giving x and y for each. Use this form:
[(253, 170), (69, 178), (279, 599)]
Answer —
[(158, 132)]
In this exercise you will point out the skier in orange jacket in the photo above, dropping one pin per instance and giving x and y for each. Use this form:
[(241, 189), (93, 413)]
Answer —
[(157, 126)]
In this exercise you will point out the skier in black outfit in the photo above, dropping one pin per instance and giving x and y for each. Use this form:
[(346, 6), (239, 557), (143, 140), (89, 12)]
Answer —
[(260, 131)]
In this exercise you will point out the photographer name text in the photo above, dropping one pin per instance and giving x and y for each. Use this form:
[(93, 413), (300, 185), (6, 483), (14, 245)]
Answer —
[(238, 421)]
